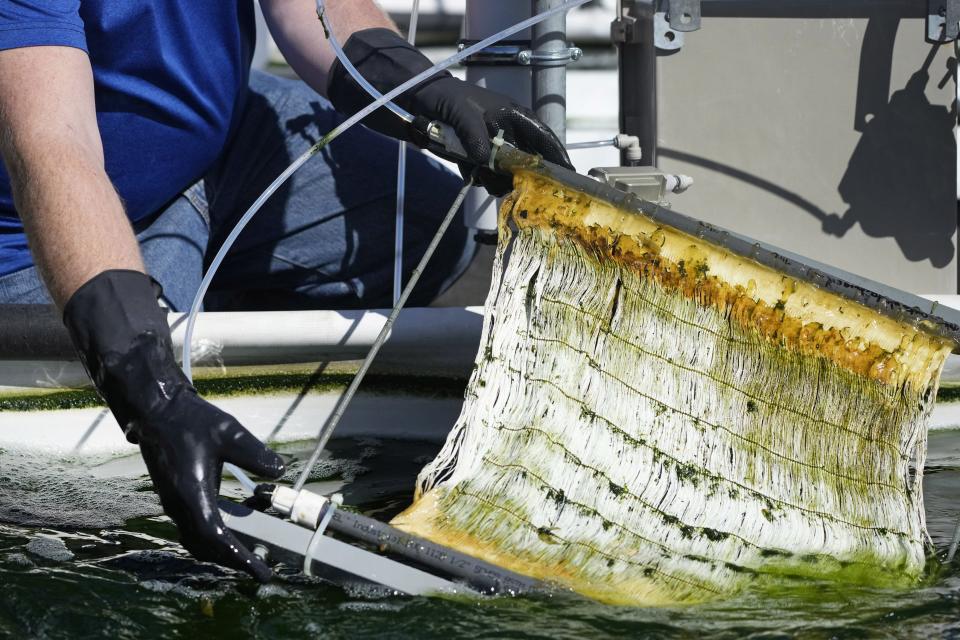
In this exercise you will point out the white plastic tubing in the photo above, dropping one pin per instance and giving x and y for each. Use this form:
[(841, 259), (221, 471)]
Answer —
[(379, 101), (402, 181)]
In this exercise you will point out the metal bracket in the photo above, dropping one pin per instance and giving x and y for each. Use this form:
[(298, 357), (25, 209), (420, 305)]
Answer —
[(520, 54), (665, 37), (623, 30), (647, 183), (684, 15), (943, 20)]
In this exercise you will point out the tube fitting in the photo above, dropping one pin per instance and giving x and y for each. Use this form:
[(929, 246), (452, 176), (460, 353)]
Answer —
[(630, 145), (301, 507)]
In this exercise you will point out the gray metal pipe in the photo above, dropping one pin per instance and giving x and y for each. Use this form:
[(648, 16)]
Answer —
[(549, 80), (483, 18)]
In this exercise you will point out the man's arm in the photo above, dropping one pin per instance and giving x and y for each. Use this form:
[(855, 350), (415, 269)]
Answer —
[(299, 34), (386, 60), (90, 260), (75, 222)]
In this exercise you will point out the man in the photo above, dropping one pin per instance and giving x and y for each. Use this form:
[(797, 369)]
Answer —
[(134, 135)]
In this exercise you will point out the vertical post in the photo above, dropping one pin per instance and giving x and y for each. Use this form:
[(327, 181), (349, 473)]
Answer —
[(482, 19), (634, 35), (550, 48)]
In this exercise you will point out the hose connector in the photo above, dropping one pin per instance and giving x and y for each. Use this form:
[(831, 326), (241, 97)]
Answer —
[(630, 145), (301, 507)]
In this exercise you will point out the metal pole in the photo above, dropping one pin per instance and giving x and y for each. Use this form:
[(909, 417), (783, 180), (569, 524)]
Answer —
[(550, 76), (483, 18), (633, 34)]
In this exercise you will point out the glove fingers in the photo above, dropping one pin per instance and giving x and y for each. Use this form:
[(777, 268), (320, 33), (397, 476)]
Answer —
[(473, 136), (213, 542), (533, 136), (246, 451)]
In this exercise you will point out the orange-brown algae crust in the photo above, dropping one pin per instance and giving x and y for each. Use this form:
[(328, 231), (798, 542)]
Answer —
[(784, 311)]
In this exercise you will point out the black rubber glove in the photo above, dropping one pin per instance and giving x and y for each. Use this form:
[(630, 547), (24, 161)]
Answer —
[(124, 342), (476, 114)]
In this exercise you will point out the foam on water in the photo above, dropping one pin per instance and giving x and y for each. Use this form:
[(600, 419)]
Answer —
[(53, 549), (39, 492)]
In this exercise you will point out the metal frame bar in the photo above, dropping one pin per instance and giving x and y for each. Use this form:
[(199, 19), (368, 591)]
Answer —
[(431, 564), (813, 8), (340, 561), (895, 303), (633, 32)]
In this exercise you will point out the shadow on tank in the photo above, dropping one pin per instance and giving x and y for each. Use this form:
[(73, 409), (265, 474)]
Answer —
[(898, 182)]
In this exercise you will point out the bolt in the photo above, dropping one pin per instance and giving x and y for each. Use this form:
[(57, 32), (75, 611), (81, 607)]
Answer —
[(261, 552), (525, 57), (576, 53)]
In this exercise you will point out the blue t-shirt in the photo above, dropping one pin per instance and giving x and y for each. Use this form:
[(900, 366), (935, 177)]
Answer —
[(170, 78)]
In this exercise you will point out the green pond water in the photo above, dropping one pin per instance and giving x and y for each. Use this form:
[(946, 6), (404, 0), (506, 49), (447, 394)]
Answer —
[(84, 552)]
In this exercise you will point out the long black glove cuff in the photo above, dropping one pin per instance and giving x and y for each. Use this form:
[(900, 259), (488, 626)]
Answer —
[(385, 60), (124, 342)]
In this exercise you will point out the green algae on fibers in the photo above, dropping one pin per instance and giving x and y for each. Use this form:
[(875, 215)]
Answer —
[(641, 443)]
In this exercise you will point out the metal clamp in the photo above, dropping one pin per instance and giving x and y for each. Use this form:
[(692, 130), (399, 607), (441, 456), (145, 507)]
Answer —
[(558, 58), (519, 54), (943, 20)]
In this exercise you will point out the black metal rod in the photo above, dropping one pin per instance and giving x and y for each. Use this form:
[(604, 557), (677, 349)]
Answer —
[(900, 305), (479, 574), (813, 8), (637, 58)]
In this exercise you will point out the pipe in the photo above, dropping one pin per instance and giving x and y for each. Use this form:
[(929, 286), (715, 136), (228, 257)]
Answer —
[(549, 81), (481, 19), (637, 62)]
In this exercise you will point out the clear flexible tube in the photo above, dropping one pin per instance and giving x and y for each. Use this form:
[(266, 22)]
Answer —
[(327, 431), (593, 144), (315, 149), (344, 126), (241, 477), (348, 65), (402, 181)]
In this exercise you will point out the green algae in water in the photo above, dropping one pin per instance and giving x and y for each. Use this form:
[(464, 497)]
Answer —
[(249, 385)]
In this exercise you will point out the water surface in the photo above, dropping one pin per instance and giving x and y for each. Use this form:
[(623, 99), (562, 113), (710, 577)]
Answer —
[(85, 553)]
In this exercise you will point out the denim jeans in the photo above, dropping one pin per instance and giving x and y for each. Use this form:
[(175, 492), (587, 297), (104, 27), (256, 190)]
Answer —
[(325, 240)]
